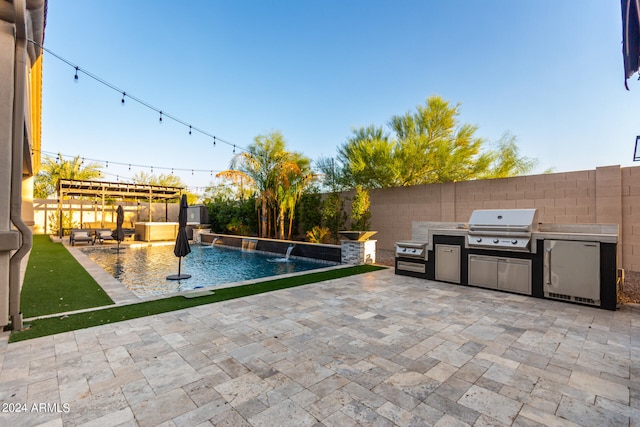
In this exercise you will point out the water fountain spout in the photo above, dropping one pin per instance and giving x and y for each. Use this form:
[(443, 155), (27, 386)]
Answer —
[(213, 242), (289, 249)]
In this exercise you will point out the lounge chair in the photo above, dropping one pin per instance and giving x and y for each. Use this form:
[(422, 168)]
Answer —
[(103, 234), (80, 236)]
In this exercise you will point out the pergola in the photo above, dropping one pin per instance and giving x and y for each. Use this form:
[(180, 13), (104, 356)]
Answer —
[(114, 190)]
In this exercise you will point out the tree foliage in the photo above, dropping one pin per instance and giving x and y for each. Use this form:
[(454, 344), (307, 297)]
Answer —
[(164, 180), (310, 209), (429, 145), (233, 216), (360, 212), (54, 169), (277, 176)]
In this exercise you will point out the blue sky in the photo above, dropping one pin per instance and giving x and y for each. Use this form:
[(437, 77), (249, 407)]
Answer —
[(548, 71)]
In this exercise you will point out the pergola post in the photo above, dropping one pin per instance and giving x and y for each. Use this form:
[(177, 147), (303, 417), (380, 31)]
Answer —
[(102, 211)]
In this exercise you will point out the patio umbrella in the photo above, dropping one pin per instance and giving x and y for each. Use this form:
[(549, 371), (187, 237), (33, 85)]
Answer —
[(630, 37), (118, 234), (182, 247)]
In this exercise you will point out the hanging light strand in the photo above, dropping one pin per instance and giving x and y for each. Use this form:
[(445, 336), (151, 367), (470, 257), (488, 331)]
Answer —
[(130, 165), (162, 113)]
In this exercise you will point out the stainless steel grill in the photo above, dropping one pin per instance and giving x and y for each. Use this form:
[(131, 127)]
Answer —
[(502, 229), (411, 249)]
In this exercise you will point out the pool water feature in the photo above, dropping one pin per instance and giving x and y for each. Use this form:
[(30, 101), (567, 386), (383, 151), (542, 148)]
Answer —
[(144, 269)]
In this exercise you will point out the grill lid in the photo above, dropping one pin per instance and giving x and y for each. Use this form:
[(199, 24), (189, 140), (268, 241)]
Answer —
[(502, 229), (507, 220)]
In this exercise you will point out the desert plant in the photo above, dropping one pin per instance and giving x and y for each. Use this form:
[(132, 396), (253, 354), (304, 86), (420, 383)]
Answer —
[(333, 214), (318, 234), (67, 223), (360, 213)]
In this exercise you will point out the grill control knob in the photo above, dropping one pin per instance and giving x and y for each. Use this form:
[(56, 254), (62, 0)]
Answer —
[(414, 251), (479, 239), (404, 249), (496, 241), (514, 242)]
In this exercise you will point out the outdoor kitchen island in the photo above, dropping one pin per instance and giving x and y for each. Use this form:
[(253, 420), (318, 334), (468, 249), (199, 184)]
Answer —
[(508, 250)]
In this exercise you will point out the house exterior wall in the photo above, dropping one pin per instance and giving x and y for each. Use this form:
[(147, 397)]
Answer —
[(7, 43), (20, 104)]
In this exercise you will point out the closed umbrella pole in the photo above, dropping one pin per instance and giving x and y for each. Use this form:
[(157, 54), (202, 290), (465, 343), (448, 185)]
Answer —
[(119, 232), (182, 247)]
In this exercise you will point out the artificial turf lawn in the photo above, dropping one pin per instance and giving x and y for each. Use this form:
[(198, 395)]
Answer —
[(54, 325), (55, 282)]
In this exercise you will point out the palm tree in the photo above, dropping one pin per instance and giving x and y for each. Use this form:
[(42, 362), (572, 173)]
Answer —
[(273, 171), (52, 170), (293, 178)]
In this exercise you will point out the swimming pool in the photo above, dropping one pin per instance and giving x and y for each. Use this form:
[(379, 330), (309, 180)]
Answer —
[(144, 269)]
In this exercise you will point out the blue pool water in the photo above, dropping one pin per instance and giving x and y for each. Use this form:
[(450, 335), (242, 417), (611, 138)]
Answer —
[(144, 269)]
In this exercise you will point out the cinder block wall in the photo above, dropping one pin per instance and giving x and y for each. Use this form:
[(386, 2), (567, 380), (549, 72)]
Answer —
[(609, 194)]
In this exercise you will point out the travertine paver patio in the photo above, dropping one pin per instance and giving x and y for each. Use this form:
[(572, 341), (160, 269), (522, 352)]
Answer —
[(374, 349)]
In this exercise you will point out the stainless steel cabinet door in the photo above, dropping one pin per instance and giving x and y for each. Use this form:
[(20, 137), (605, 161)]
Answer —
[(448, 263), (572, 268), (483, 271), (514, 275)]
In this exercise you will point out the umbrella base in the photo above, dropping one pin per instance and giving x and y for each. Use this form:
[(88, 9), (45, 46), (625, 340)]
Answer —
[(178, 276)]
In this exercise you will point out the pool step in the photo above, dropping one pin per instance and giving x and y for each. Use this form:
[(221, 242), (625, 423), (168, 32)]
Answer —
[(197, 294)]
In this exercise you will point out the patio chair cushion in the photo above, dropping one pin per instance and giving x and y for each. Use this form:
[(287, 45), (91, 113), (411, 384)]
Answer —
[(105, 234), (81, 235)]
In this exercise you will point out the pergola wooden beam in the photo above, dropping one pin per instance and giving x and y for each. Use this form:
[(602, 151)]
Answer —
[(114, 190)]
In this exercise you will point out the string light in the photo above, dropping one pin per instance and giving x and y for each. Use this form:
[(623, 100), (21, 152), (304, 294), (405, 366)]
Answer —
[(134, 98), (129, 166), (189, 129), (214, 141)]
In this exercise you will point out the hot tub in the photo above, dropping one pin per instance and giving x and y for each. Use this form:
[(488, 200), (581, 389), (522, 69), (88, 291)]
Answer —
[(156, 231)]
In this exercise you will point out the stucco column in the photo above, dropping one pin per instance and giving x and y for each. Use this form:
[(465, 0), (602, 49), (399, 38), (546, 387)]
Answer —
[(609, 200), (7, 50)]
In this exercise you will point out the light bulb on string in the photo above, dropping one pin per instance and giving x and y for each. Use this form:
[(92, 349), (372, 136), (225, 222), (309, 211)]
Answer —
[(129, 166), (191, 171), (107, 164), (124, 95), (171, 171)]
